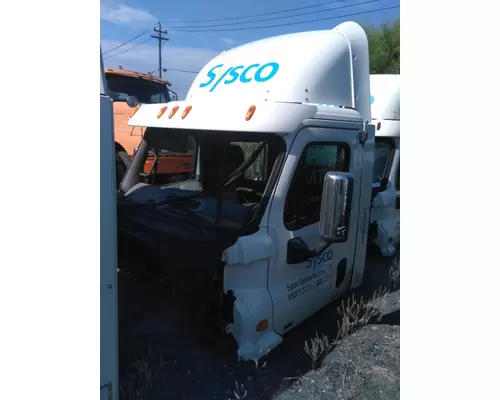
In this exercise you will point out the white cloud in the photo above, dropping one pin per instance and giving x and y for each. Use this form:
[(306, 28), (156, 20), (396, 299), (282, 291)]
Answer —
[(121, 14), (228, 41), (145, 59)]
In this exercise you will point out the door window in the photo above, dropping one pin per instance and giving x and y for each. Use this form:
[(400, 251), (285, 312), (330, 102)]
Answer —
[(303, 203)]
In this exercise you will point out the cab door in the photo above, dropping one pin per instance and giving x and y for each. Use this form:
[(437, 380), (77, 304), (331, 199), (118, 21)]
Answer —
[(299, 290)]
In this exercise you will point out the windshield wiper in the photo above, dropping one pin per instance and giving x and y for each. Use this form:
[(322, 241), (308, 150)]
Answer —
[(242, 168)]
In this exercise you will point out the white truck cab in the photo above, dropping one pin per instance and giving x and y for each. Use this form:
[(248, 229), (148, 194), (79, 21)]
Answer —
[(266, 249), (384, 219), (108, 282)]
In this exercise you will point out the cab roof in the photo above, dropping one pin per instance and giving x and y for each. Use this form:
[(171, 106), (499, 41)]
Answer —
[(135, 74), (314, 67)]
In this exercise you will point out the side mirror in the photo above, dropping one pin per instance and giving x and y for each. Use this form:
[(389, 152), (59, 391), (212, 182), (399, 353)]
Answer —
[(336, 207), (132, 101)]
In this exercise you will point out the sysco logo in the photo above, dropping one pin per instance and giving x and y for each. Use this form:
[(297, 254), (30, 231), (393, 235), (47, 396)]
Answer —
[(255, 72)]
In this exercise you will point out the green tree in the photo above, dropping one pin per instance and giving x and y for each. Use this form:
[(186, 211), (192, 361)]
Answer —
[(384, 48)]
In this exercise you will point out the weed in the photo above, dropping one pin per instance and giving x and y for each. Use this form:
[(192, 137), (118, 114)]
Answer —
[(353, 315), (239, 393), (317, 347), (141, 376), (394, 274)]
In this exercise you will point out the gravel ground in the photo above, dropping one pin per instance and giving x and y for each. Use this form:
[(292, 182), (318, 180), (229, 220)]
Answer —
[(161, 357), (364, 365)]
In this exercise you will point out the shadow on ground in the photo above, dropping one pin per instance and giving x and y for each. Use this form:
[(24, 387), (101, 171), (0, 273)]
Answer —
[(180, 364), (390, 319)]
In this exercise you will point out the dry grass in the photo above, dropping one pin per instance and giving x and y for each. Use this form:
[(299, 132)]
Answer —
[(364, 361), (394, 274), (239, 393), (141, 377), (263, 375), (364, 365), (353, 314), (317, 347)]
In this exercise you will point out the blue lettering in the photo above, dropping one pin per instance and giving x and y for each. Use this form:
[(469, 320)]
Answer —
[(243, 77), (234, 74), (244, 74), (211, 75), (322, 258), (220, 79), (258, 75)]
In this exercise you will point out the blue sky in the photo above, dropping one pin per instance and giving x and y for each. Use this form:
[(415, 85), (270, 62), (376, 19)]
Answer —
[(121, 20)]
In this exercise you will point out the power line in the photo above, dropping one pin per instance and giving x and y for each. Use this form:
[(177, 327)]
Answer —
[(175, 70), (286, 24), (256, 15), (280, 17), (252, 28), (180, 70), (128, 49), (127, 42)]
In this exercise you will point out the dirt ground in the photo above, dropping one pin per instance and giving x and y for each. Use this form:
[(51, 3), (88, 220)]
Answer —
[(161, 358), (364, 365)]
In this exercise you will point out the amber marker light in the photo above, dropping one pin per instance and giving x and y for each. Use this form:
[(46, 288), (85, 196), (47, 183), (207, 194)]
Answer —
[(136, 109), (250, 113), (174, 110), (186, 111), (161, 112)]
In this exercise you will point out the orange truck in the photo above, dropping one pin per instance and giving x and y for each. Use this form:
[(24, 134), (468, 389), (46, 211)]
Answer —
[(129, 89)]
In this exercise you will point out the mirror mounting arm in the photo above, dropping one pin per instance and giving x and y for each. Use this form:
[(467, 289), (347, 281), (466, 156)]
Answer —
[(316, 252), (298, 251)]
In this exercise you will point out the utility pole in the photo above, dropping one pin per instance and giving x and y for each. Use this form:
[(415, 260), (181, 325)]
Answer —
[(160, 40)]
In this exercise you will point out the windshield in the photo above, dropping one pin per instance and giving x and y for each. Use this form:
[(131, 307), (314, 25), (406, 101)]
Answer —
[(219, 160), (232, 176), (147, 92)]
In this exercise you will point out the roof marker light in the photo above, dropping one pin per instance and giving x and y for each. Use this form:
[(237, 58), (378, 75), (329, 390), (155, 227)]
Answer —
[(250, 113), (186, 111), (135, 110), (174, 110), (161, 112)]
